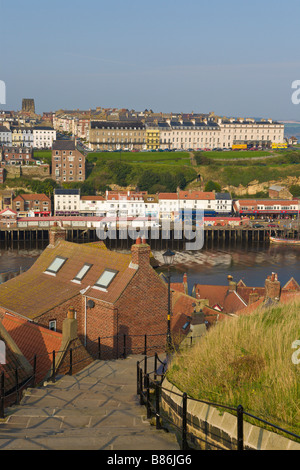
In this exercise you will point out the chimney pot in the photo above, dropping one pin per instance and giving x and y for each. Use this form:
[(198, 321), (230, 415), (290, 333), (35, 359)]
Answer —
[(71, 313)]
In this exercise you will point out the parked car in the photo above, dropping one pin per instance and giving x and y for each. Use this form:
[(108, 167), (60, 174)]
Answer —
[(272, 225), (257, 226)]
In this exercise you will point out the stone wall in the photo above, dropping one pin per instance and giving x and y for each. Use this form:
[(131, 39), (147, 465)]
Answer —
[(216, 430), (34, 171)]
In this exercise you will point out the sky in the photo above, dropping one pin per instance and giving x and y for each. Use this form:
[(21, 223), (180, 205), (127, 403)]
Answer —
[(235, 58)]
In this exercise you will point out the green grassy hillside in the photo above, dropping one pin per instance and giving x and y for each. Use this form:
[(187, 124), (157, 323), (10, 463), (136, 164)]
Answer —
[(247, 360)]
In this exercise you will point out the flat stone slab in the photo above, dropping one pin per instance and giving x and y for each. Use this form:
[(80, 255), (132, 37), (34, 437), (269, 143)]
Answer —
[(96, 409)]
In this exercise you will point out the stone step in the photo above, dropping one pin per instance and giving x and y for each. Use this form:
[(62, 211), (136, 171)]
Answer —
[(125, 439), (63, 398), (97, 408)]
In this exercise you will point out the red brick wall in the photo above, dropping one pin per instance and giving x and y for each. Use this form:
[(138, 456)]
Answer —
[(143, 307), (141, 310)]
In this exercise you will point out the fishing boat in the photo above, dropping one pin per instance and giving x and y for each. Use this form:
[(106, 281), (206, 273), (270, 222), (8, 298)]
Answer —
[(284, 241)]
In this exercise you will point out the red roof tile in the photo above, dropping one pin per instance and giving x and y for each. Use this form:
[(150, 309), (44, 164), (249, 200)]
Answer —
[(33, 339), (36, 292), (197, 195)]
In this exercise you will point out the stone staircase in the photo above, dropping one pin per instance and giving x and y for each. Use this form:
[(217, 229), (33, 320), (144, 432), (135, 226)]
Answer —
[(96, 409)]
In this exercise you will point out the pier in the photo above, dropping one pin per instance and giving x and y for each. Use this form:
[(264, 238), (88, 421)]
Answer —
[(158, 239)]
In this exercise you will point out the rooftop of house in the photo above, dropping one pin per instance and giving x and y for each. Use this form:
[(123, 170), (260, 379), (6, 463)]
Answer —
[(32, 197), (61, 272), (237, 297), (33, 339), (64, 144), (196, 195), (13, 359)]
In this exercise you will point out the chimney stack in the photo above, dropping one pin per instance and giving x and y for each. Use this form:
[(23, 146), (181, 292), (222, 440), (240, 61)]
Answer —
[(272, 287), (253, 297), (231, 283), (185, 283), (140, 253), (69, 327), (56, 234)]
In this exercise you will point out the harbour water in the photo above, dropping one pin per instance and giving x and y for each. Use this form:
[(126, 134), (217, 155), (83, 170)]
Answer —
[(211, 265)]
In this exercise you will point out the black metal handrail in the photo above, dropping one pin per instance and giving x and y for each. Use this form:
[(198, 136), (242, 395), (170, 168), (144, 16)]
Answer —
[(145, 383), (13, 376)]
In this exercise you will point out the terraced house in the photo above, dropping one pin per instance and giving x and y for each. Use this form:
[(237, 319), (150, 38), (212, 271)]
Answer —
[(117, 135), (37, 205), (68, 164)]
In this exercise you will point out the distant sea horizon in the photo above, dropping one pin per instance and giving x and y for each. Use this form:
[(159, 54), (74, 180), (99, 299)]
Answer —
[(291, 129)]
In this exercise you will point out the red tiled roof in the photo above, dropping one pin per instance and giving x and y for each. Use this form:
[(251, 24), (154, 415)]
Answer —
[(233, 302), (32, 197), (245, 292), (13, 361), (214, 294), (36, 292), (182, 310), (178, 286), (291, 285), (168, 196), (197, 195), (33, 339)]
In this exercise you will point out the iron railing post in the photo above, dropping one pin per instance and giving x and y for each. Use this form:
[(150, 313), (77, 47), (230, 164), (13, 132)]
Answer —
[(155, 366), (34, 370), (17, 386), (99, 348), (148, 397), (145, 370), (2, 394), (71, 362), (184, 445), (53, 367), (141, 387), (240, 428), (157, 410), (137, 378), (124, 346)]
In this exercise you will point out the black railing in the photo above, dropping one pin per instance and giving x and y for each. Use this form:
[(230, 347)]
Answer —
[(14, 381), (152, 401)]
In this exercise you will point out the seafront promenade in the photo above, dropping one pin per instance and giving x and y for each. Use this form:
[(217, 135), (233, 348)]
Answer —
[(96, 409)]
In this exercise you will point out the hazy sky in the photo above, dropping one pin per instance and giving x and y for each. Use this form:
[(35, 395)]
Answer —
[(235, 58)]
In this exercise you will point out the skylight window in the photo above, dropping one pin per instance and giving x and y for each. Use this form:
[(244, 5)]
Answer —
[(83, 271), (56, 265), (106, 278)]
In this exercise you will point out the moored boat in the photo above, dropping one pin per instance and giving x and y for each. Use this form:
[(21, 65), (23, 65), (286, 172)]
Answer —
[(284, 241)]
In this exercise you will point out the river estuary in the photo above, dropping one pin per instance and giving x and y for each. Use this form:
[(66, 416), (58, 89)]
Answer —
[(211, 265)]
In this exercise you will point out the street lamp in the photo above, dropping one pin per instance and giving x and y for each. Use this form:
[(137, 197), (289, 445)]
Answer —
[(168, 259)]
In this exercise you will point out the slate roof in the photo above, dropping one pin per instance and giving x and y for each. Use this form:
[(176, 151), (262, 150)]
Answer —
[(117, 124), (35, 292), (4, 129), (64, 144)]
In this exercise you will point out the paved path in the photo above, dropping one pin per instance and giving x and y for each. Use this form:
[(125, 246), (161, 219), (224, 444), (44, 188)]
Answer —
[(96, 409)]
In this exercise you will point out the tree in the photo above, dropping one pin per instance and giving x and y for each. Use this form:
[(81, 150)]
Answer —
[(212, 186)]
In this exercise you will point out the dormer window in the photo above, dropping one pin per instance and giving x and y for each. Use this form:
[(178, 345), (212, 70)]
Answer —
[(106, 278), (56, 265)]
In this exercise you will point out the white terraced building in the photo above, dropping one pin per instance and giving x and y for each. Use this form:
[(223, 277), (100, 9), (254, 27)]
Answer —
[(220, 133), (43, 137), (5, 136)]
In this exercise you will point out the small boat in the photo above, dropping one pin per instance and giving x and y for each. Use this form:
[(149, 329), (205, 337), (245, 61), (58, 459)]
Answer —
[(284, 241)]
